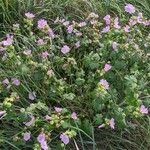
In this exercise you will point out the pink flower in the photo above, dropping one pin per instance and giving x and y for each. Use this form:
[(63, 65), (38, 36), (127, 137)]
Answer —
[(129, 8), (50, 73), (51, 33), (40, 42), (26, 136), (30, 122), (58, 109), (107, 67), (2, 113), (47, 117), (82, 24), (45, 54), (42, 23), (27, 52), (41, 137), (93, 15), (78, 33), (70, 29), (77, 44), (32, 96), (106, 29), (107, 19), (143, 109), (132, 22), (74, 116), (65, 49), (116, 23), (42, 140), (101, 126), (44, 145), (15, 82), (104, 83), (64, 138), (5, 81), (112, 123), (29, 15), (126, 28), (8, 41), (114, 45)]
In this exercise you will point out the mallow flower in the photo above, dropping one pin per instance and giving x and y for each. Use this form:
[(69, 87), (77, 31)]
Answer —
[(26, 136), (143, 109), (65, 49), (104, 83), (112, 123), (129, 8), (64, 138), (107, 67)]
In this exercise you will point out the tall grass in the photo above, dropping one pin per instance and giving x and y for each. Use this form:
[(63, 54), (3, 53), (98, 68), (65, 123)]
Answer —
[(11, 11)]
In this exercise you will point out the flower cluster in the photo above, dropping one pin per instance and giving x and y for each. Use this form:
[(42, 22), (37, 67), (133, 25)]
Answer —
[(57, 74)]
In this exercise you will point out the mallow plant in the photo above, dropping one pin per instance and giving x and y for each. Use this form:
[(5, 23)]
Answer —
[(59, 77)]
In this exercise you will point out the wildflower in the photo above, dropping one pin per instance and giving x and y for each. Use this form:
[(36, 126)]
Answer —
[(114, 45), (143, 109), (29, 15), (104, 83), (106, 29), (15, 82), (93, 22), (8, 41), (30, 122), (70, 29), (5, 81), (126, 28), (47, 117), (42, 23), (27, 52), (74, 116), (65, 49), (42, 140), (132, 22), (58, 109), (78, 33), (93, 15), (50, 73), (107, 67), (82, 24), (41, 137), (112, 123), (64, 138), (26, 136), (107, 19), (116, 23), (32, 96), (77, 44), (45, 54), (44, 145), (2, 113), (101, 126), (40, 42), (129, 8), (51, 33)]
